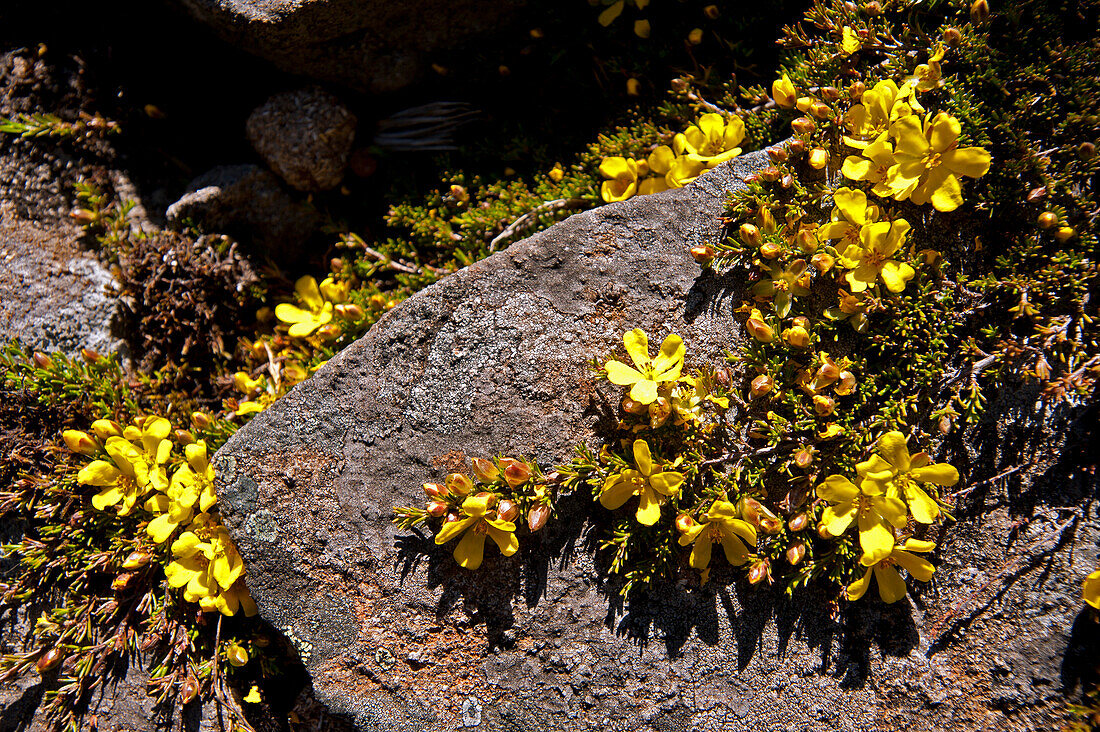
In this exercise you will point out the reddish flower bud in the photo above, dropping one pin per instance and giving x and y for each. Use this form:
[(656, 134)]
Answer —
[(703, 254), (537, 517), (435, 490), (796, 553), (750, 235), (49, 660), (769, 250), (798, 522), (516, 473), (436, 508), (89, 355), (42, 360), (804, 458), (684, 523), (761, 385), (952, 36), (1047, 219), (459, 484), (855, 90), (803, 125), (136, 560), (759, 572), (485, 470), (507, 510), (80, 442), (631, 406)]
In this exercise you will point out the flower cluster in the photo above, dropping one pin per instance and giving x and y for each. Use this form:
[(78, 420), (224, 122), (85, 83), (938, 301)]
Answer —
[(707, 143), (891, 489), (486, 505), (317, 306), (131, 469)]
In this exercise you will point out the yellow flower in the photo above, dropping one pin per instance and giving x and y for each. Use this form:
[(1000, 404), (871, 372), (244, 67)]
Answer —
[(784, 284), (783, 92), (642, 28), (868, 505), (928, 76), (712, 140), (721, 523), (873, 257), (556, 173), (479, 518), (870, 120), (894, 471), (245, 384), (318, 301), (849, 216), (660, 162), (643, 382), (930, 161), (607, 17), (131, 472), (253, 696), (891, 587), (872, 167), (849, 42), (209, 568), (1091, 589), (623, 175), (648, 482), (690, 395), (191, 484)]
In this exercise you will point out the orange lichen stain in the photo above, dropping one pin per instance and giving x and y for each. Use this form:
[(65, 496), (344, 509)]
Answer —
[(451, 462)]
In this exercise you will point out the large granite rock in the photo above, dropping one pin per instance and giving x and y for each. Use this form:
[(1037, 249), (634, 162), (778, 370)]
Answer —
[(397, 637), (370, 45)]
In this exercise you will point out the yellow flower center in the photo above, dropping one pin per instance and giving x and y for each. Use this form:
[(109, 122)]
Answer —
[(932, 160), (713, 533), (875, 258), (126, 485), (481, 528)]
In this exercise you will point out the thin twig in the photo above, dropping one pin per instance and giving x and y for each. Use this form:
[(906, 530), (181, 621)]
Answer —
[(529, 218)]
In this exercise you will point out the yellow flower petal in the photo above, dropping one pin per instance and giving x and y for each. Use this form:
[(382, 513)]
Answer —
[(922, 506), (858, 589), (837, 488), (969, 161), (892, 447), (700, 551), (895, 275), (919, 568), (1090, 589), (938, 474), (98, 473), (617, 489), (621, 374), (644, 391), (852, 203), (649, 507), (891, 587), (736, 551), (451, 529), (643, 458), (308, 293), (607, 17), (470, 550), (875, 537), (666, 483), (506, 541)]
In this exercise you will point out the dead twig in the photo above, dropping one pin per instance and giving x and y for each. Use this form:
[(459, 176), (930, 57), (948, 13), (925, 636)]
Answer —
[(529, 218)]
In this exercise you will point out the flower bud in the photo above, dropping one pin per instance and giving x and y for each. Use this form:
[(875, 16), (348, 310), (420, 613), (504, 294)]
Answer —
[(759, 572), (769, 174), (760, 330), (89, 355), (459, 193), (803, 104), (631, 406), (796, 147), (104, 428), (824, 405), (122, 581), (435, 490), (823, 531), (684, 523), (979, 11), (803, 125), (236, 654), (49, 660), (829, 93), (350, 311), (751, 235), (1047, 219), (804, 458), (806, 240), (436, 508), (821, 110), (1064, 234), (796, 553), (136, 560), (42, 360), (770, 250), (847, 383), (507, 510), (516, 473), (797, 337), (711, 11), (189, 690), (786, 181), (798, 522), (703, 254), (201, 420), (952, 36), (761, 385), (458, 484), (329, 331), (765, 220), (80, 442), (822, 262), (485, 470), (679, 85), (695, 37), (722, 376), (783, 92), (873, 8), (1087, 150), (83, 216), (819, 157), (537, 517), (855, 90), (184, 437), (778, 154), (659, 411)]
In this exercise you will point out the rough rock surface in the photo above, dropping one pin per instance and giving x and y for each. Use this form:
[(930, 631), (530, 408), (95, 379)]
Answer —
[(248, 203), (305, 136), (54, 295), (369, 45), (491, 359)]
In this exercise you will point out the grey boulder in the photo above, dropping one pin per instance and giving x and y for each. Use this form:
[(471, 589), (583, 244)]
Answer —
[(491, 360)]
